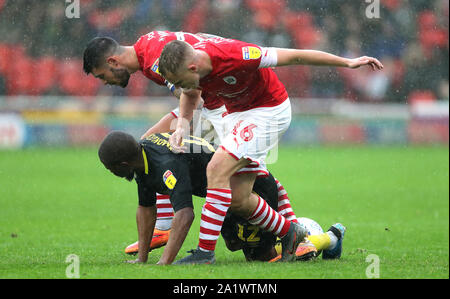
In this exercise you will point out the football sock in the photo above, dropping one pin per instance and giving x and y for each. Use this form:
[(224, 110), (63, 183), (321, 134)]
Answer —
[(321, 242), (333, 240), (164, 212), (269, 220), (214, 210), (284, 204)]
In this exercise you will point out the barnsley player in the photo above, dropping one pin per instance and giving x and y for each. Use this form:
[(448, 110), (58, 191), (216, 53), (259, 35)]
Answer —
[(259, 112)]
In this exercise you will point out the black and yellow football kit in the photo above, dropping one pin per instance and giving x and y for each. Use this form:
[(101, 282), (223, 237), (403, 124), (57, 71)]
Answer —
[(183, 175), (177, 175), (253, 241)]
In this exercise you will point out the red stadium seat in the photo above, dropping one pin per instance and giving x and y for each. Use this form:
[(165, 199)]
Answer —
[(302, 29), (44, 74), (267, 13), (70, 77), (421, 96), (427, 20), (298, 20), (73, 81), (110, 19), (20, 76), (4, 58), (296, 79), (392, 5), (137, 86), (265, 19), (275, 6), (195, 20), (431, 34)]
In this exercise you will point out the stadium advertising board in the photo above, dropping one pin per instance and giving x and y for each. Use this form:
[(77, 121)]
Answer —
[(12, 131)]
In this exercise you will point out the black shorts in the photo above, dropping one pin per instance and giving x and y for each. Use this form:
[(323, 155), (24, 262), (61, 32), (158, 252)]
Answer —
[(253, 241)]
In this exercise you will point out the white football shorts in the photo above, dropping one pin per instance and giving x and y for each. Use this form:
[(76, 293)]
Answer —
[(253, 133), (208, 124)]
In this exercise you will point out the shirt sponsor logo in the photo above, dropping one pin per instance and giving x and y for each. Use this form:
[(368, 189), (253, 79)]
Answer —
[(155, 67), (230, 80), (251, 53), (169, 179)]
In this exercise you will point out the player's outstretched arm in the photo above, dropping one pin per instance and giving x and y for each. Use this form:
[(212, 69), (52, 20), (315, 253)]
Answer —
[(166, 124), (319, 58), (181, 224), (188, 102), (145, 219)]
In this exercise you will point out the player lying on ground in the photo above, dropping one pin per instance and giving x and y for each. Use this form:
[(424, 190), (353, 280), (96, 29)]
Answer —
[(259, 111), (157, 169), (258, 245)]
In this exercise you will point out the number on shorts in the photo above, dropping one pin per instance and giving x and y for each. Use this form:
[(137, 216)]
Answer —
[(252, 237), (247, 133)]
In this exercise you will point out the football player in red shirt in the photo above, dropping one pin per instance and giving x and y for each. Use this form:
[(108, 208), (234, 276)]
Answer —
[(259, 110)]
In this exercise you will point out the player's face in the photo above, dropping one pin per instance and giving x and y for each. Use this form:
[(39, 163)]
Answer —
[(185, 78), (123, 170), (112, 75)]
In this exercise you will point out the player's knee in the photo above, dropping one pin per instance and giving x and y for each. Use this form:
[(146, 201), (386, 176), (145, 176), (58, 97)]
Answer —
[(239, 207), (216, 174)]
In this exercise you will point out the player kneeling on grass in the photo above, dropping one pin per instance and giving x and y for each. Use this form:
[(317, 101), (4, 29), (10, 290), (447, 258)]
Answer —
[(156, 169)]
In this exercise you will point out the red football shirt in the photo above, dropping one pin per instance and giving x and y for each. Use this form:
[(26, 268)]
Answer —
[(236, 77), (148, 49)]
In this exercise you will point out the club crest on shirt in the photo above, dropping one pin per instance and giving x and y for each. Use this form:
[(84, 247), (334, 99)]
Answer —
[(230, 80), (155, 67), (250, 53), (169, 179)]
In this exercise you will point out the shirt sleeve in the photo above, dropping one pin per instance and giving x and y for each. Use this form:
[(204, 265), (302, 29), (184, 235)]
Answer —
[(269, 58), (181, 195), (146, 195), (176, 178)]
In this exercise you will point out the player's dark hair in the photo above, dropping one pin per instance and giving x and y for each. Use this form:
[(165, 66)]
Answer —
[(118, 147), (96, 52), (172, 57)]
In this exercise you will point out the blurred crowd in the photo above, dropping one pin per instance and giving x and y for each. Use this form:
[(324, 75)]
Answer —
[(41, 47)]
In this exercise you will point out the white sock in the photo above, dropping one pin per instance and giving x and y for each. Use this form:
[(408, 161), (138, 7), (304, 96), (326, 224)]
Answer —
[(163, 224), (333, 240)]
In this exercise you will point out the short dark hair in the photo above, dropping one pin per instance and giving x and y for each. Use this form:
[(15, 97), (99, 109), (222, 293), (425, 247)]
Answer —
[(172, 57), (96, 52), (118, 147)]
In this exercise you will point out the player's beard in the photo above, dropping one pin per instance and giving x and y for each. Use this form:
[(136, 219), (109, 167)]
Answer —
[(122, 76)]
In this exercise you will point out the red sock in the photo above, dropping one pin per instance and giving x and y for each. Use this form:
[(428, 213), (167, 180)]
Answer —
[(164, 209), (213, 214), (269, 220), (284, 204)]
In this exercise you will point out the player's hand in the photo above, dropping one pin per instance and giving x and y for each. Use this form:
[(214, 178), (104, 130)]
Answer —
[(374, 63), (148, 133), (176, 141), (136, 261)]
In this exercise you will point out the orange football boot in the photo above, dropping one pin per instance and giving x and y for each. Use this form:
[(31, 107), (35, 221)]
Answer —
[(305, 251), (160, 238)]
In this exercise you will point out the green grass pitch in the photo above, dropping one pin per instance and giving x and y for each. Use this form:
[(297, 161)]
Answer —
[(393, 200)]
